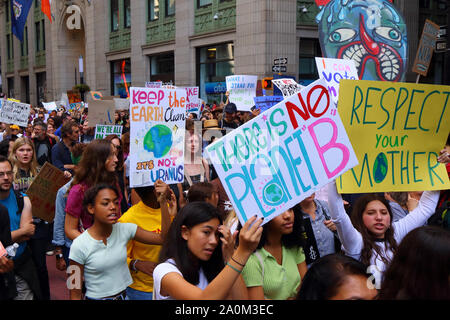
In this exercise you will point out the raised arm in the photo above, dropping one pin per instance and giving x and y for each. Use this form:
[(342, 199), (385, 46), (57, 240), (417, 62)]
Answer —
[(350, 238)]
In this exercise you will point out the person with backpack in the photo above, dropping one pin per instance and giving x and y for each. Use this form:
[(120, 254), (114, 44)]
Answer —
[(43, 143), (22, 229)]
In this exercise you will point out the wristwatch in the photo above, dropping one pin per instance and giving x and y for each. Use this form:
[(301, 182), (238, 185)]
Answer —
[(59, 256)]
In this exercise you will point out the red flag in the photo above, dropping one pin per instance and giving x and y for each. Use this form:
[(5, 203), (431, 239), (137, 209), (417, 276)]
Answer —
[(45, 7)]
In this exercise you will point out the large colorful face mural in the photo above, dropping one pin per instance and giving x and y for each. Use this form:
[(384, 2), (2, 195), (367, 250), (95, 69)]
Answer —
[(370, 32)]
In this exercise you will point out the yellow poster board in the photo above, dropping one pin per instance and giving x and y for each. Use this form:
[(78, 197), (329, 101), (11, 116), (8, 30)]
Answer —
[(397, 131)]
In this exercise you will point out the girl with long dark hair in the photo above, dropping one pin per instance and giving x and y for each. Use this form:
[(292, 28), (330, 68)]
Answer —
[(370, 235), (194, 263)]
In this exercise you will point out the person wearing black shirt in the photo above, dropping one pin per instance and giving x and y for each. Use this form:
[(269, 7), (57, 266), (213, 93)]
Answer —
[(7, 282), (228, 121)]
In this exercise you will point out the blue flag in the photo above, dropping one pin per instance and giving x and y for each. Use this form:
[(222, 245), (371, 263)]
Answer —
[(19, 14)]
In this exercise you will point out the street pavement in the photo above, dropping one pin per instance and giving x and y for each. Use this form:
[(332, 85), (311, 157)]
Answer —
[(58, 288)]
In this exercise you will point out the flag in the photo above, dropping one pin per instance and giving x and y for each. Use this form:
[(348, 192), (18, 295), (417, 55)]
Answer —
[(45, 7), (19, 14)]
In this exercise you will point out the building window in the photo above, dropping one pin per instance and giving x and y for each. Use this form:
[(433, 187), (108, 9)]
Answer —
[(114, 15), (214, 63), (24, 43), (153, 10), (37, 4), (8, 11), (10, 87), (170, 8), (121, 78), (41, 84), (127, 13), (203, 3), (9, 46), (38, 36), (307, 69), (162, 67), (43, 34)]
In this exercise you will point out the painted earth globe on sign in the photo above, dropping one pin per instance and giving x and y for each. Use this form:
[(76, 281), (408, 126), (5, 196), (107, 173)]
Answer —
[(158, 140), (273, 193), (380, 168)]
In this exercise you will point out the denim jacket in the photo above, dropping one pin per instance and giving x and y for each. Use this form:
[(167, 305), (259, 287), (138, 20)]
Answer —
[(59, 235)]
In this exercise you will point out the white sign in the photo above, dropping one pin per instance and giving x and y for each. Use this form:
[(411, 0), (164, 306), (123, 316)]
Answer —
[(122, 104), (271, 163), (242, 90), (333, 71), (157, 127), (287, 86), (193, 102), (155, 84), (50, 106), (12, 112), (102, 131)]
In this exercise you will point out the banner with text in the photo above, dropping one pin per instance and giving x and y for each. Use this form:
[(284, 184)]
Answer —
[(282, 156), (157, 121), (242, 90), (287, 86), (333, 71), (397, 131), (192, 101), (266, 102), (14, 112)]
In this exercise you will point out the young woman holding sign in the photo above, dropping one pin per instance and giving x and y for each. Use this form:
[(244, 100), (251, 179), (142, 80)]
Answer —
[(196, 264), (370, 235)]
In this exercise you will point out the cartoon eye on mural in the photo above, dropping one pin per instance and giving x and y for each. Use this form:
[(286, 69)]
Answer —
[(370, 32)]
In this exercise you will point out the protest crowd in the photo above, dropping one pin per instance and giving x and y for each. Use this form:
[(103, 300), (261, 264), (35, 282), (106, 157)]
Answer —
[(185, 240)]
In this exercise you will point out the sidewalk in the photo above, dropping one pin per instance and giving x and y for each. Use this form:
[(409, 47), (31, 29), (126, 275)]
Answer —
[(58, 288)]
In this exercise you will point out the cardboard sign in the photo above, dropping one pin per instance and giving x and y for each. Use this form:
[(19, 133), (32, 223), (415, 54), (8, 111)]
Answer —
[(122, 104), (426, 47), (277, 159), (96, 95), (14, 112), (397, 131), (74, 96), (266, 102), (101, 131), (333, 71), (42, 191), (288, 87), (157, 127), (101, 112), (242, 90)]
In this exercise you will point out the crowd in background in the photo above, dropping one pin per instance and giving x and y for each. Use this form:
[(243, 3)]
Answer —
[(185, 241)]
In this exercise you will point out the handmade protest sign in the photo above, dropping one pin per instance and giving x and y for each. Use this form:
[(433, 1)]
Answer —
[(266, 102), (14, 112), (287, 86), (333, 71), (426, 47), (50, 106), (43, 189), (271, 163), (154, 84), (242, 90), (397, 131), (101, 131), (121, 104), (101, 112), (192, 102), (157, 121)]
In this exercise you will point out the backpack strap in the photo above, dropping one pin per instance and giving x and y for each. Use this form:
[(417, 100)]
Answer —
[(20, 201)]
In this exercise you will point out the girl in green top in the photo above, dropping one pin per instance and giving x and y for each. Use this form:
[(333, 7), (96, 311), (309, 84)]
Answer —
[(274, 271)]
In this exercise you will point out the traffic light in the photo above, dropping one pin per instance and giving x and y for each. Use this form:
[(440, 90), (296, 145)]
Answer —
[(267, 83)]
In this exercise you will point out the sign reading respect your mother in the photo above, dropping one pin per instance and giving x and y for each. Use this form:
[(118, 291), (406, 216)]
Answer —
[(397, 131), (277, 159)]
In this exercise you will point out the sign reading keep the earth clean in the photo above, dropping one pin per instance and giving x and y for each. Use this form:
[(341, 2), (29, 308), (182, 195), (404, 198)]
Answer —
[(157, 121), (277, 159), (397, 131)]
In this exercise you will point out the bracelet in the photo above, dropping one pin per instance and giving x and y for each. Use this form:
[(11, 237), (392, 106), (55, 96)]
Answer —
[(242, 265), (133, 265), (238, 271)]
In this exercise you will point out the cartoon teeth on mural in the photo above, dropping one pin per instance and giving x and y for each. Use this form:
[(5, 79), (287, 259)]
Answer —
[(370, 32)]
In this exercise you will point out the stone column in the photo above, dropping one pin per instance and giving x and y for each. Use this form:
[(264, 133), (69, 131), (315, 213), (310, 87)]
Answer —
[(184, 53)]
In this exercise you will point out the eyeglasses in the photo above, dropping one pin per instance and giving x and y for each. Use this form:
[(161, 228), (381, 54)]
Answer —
[(9, 174)]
